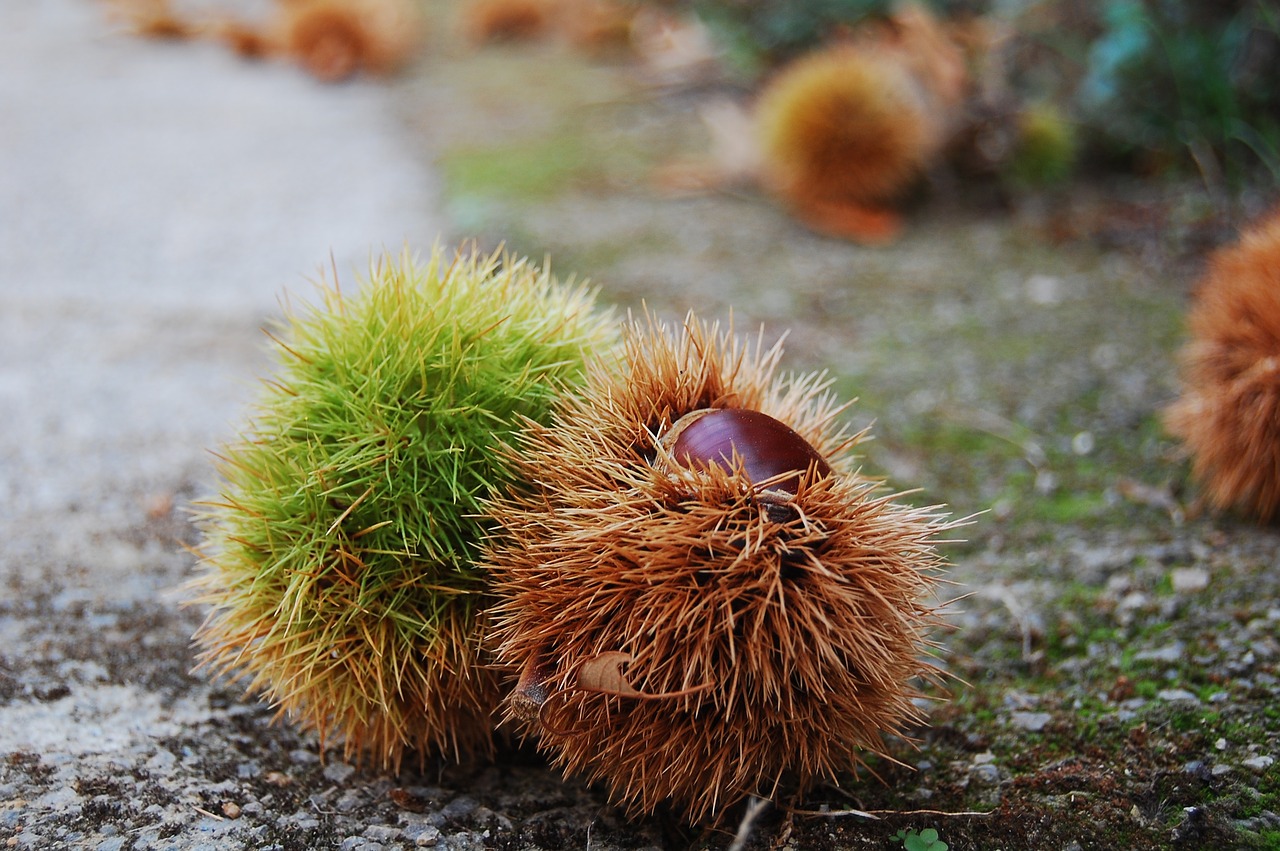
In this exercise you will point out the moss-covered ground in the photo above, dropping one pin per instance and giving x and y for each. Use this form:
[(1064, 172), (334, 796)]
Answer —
[(1115, 647)]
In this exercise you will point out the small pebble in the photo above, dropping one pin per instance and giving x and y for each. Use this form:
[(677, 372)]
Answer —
[(1259, 763), (1186, 580), (1082, 443), (985, 775), (1032, 722), (338, 772), (1169, 653), (427, 837), (1044, 289), (1265, 648), (231, 809), (1172, 694), (459, 807), (302, 756), (382, 833)]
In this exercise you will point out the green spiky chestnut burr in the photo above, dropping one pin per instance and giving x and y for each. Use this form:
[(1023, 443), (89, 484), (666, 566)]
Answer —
[(1046, 147), (339, 559), (703, 597)]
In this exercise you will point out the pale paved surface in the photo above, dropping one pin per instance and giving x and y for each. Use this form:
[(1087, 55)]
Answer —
[(155, 200)]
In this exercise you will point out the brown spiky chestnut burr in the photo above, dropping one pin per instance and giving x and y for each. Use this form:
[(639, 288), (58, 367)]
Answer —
[(1228, 414), (702, 596)]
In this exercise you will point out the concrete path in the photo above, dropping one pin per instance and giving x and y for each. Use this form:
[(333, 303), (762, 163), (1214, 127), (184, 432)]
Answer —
[(155, 201)]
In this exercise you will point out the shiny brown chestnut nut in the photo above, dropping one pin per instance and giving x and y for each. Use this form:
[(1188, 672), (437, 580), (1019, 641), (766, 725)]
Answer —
[(774, 456)]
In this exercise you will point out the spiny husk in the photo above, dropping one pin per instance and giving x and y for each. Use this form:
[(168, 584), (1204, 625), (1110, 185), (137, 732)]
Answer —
[(1228, 415), (772, 648), (506, 20), (338, 560), (844, 124), (155, 19), (334, 39), (859, 121)]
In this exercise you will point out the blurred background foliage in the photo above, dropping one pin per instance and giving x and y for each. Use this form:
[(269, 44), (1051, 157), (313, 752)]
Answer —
[(1195, 83), (756, 34), (1148, 87)]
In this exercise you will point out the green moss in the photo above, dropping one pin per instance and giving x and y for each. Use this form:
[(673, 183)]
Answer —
[(528, 170), (1067, 506), (1147, 689), (1267, 839), (574, 133)]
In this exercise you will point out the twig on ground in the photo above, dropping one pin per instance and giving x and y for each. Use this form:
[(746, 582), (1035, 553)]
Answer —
[(754, 809), (876, 814)]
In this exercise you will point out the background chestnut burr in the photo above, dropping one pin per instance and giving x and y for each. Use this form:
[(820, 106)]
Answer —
[(1228, 415)]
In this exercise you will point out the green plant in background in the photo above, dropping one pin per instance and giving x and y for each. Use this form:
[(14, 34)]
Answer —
[(1045, 151), (1196, 81), (757, 34), (338, 557), (925, 840)]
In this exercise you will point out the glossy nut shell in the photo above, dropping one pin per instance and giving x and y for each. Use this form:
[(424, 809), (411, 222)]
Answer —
[(768, 447)]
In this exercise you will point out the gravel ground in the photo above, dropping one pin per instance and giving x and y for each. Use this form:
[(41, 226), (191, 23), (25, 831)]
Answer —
[(1119, 651)]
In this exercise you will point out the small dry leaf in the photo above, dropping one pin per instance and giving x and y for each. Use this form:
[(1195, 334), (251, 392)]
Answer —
[(411, 800), (1152, 496), (159, 506), (279, 778), (603, 673), (152, 19)]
